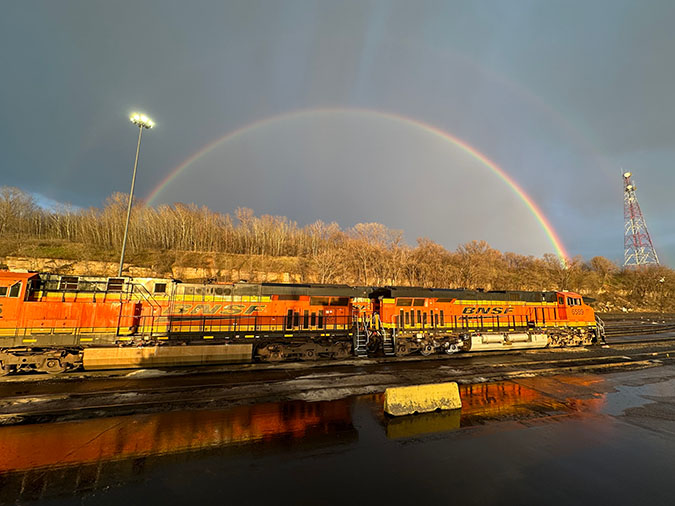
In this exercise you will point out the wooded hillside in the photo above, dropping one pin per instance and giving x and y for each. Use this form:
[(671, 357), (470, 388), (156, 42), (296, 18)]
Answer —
[(164, 237)]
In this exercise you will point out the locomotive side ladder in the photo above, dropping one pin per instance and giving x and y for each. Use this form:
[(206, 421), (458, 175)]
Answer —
[(388, 339), (360, 336)]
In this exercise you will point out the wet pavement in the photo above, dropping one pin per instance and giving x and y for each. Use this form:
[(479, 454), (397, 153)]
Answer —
[(38, 398), (585, 438)]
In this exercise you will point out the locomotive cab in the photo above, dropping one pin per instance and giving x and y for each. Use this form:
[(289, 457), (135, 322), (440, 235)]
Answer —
[(571, 307), (13, 289)]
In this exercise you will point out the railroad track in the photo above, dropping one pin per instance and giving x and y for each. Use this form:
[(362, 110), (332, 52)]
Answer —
[(619, 344), (618, 325), (638, 329), (339, 382)]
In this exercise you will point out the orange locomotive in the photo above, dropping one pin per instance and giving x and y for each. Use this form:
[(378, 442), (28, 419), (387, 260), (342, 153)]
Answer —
[(429, 320), (52, 323)]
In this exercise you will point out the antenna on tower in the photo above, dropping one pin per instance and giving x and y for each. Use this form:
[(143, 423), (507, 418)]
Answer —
[(638, 248)]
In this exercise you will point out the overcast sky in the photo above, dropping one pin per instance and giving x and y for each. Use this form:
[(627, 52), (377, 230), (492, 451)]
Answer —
[(561, 95)]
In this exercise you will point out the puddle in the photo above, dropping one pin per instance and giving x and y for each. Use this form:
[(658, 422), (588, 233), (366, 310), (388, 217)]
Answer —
[(501, 427), (626, 397)]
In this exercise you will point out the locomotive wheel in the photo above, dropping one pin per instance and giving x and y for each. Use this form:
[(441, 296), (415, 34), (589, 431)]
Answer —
[(451, 349), (402, 350), (427, 350), (270, 353), (342, 351), (5, 369), (52, 366), (276, 356)]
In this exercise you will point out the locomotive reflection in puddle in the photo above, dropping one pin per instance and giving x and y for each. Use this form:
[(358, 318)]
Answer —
[(69, 458)]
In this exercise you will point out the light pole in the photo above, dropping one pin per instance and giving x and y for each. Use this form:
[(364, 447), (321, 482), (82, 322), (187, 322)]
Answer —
[(143, 122)]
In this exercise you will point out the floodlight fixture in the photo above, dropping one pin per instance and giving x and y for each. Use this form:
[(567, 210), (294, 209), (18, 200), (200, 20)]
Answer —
[(142, 120)]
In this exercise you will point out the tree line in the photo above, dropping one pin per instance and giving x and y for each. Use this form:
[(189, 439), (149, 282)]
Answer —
[(368, 253)]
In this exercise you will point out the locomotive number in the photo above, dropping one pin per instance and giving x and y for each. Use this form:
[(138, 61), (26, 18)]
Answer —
[(577, 312)]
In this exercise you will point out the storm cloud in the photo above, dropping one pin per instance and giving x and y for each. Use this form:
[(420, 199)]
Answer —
[(561, 95)]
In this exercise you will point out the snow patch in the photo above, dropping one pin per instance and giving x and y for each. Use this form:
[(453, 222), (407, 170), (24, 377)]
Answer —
[(145, 373)]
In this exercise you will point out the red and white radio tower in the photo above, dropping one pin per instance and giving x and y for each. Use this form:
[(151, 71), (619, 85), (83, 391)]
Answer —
[(637, 244)]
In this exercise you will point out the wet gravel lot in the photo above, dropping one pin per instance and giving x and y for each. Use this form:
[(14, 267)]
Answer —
[(39, 398)]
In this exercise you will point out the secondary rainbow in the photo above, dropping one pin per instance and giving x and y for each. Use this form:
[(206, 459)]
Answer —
[(464, 146)]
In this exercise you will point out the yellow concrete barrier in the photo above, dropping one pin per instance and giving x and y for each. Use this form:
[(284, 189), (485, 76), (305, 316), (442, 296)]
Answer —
[(421, 398), (163, 356)]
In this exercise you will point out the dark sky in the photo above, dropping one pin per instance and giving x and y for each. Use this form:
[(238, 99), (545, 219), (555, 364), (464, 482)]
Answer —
[(562, 95)]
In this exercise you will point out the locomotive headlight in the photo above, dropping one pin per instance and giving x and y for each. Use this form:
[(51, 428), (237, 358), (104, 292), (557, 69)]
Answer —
[(627, 175)]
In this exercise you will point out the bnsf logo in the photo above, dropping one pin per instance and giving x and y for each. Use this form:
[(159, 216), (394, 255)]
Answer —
[(487, 310), (228, 309)]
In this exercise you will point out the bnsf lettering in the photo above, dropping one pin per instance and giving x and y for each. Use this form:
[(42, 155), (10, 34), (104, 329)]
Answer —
[(205, 309), (487, 310), (212, 309), (233, 309)]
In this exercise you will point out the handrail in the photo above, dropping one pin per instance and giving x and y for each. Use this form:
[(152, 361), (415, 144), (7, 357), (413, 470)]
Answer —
[(601, 328), (146, 296), (145, 293)]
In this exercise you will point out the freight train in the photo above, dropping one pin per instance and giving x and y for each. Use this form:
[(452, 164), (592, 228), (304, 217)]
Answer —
[(54, 323)]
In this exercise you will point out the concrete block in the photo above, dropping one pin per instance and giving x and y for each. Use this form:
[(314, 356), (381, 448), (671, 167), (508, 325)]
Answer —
[(400, 401), (165, 356)]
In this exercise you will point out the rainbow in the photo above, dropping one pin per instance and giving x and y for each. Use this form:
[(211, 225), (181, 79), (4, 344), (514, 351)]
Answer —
[(464, 146)]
